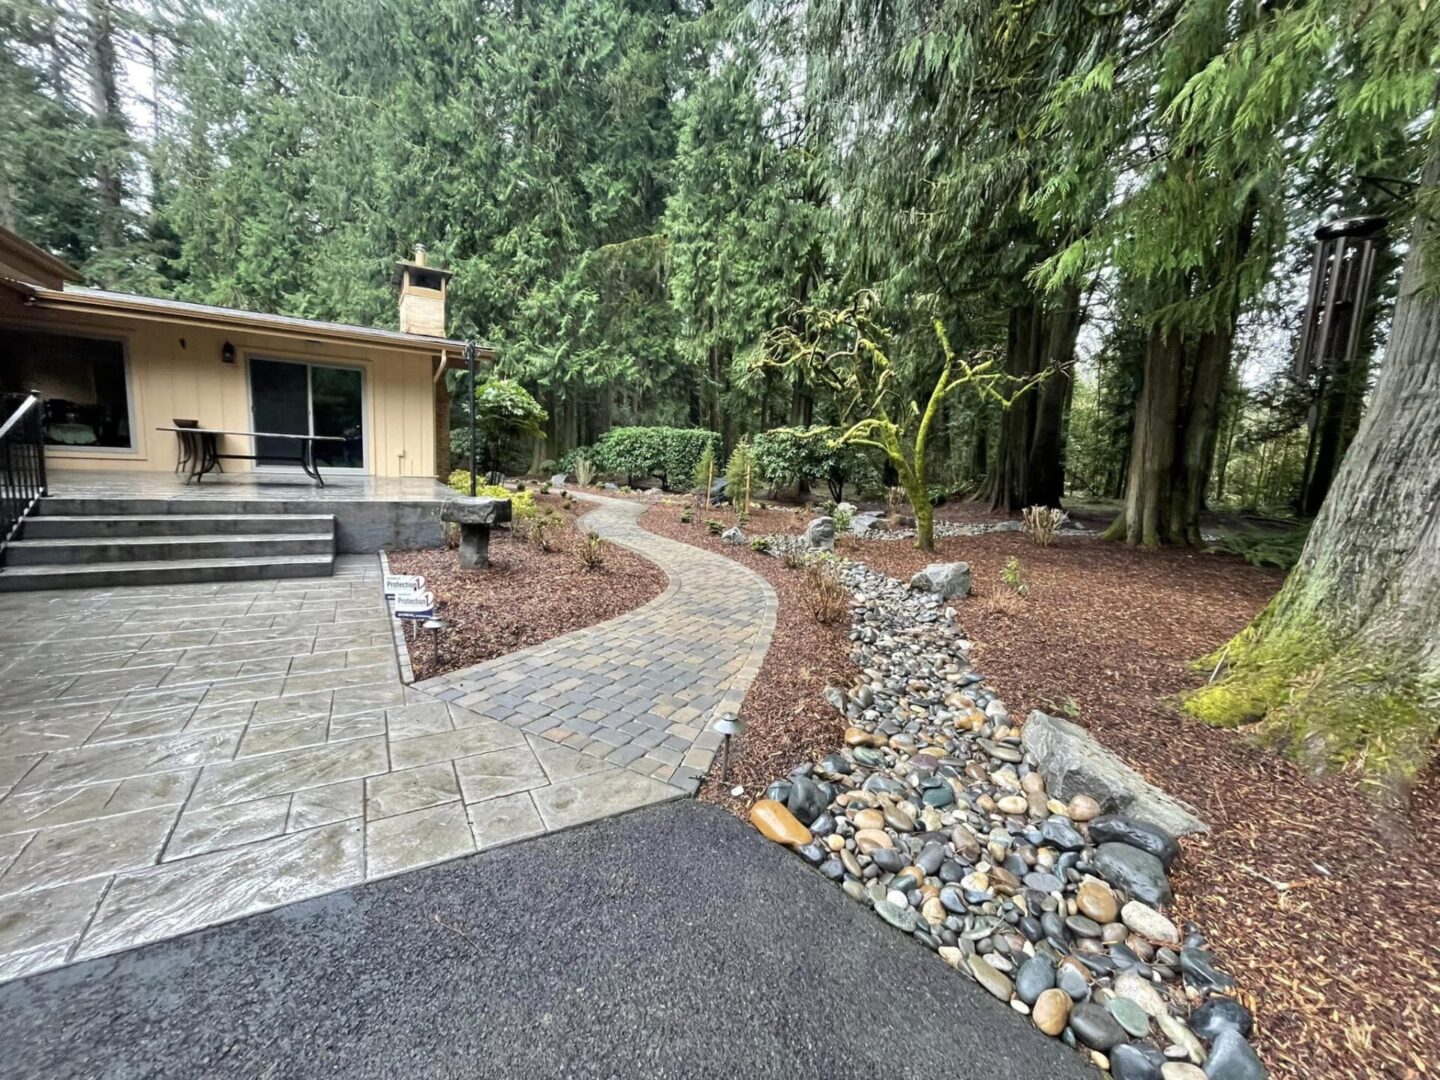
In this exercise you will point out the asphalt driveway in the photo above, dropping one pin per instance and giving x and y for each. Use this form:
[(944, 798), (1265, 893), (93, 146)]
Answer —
[(671, 942)]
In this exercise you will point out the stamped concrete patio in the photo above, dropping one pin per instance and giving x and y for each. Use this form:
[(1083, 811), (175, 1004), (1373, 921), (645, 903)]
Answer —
[(172, 758)]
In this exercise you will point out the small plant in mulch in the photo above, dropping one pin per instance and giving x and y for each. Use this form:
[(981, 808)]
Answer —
[(1040, 523), (687, 516), (760, 545), (715, 525), (1013, 577), (826, 598), (591, 550), (543, 529)]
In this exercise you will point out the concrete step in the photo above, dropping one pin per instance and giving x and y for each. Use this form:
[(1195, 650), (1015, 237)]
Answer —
[(72, 526), (164, 572), (96, 550)]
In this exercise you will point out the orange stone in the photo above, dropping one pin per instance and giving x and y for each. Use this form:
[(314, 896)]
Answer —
[(777, 823)]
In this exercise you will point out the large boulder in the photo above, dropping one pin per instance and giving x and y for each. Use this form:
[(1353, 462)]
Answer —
[(1073, 763), (733, 535), (861, 524), (559, 479), (820, 534), (947, 579)]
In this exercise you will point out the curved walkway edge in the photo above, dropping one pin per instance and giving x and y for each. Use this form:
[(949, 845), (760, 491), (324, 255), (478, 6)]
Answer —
[(640, 690)]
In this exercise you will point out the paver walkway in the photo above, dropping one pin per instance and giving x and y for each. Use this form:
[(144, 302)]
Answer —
[(171, 758), (640, 690)]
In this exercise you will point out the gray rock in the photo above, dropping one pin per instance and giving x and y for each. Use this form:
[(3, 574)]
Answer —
[(463, 510), (1095, 1027), (944, 579), (861, 524), (1219, 1013), (1125, 830), (807, 799), (902, 918), (1035, 976), (1072, 982), (1232, 1058), (1137, 872), (1201, 972), (475, 517), (820, 534), (1133, 1061), (733, 535), (1073, 763), (1130, 1016), (559, 480), (1061, 834)]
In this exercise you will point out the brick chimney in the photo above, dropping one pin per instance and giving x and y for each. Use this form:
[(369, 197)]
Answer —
[(422, 295)]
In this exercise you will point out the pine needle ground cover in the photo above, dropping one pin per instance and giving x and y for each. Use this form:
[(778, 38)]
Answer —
[(1315, 898)]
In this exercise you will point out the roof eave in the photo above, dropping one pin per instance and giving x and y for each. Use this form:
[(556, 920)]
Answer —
[(136, 307)]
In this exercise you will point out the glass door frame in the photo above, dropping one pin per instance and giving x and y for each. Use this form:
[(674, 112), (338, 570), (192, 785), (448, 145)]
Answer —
[(307, 364)]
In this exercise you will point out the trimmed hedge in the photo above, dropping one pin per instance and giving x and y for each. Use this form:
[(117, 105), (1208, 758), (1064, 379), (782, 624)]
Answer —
[(663, 452)]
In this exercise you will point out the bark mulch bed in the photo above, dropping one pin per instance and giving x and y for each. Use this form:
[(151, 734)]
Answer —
[(526, 596), (1322, 904)]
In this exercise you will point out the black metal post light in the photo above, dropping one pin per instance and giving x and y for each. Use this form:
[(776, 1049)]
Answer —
[(727, 724), (470, 366)]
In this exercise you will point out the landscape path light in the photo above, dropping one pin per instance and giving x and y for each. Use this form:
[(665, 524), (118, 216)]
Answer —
[(727, 724)]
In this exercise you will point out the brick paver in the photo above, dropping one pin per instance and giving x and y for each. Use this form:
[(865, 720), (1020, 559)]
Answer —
[(174, 757), (642, 690)]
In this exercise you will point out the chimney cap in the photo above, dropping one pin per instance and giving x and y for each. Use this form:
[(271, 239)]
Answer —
[(418, 263)]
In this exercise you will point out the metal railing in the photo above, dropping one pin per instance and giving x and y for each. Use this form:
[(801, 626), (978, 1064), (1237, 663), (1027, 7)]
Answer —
[(22, 461)]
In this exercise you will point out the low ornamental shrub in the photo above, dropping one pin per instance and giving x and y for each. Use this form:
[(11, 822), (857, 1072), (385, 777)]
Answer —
[(1014, 578), (591, 550), (825, 597), (522, 503), (542, 530), (715, 526), (1040, 523)]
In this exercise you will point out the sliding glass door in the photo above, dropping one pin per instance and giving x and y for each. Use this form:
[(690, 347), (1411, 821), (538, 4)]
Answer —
[(288, 397)]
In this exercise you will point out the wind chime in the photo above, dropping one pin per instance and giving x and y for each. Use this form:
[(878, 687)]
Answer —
[(1345, 253), (1334, 321)]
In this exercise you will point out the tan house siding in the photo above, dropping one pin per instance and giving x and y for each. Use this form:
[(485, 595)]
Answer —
[(176, 371)]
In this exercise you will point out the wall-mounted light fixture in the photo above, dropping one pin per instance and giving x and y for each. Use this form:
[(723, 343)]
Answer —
[(227, 353)]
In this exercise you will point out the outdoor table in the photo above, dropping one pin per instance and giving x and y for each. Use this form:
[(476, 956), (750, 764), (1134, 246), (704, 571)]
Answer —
[(200, 449)]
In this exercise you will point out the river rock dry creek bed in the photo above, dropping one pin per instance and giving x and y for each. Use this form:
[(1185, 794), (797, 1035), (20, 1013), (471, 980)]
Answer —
[(934, 814)]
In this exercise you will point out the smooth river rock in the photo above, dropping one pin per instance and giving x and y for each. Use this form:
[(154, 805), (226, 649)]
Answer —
[(1149, 923), (1051, 1012), (1095, 1027), (1114, 828), (778, 824), (1232, 1058), (1219, 1013), (1138, 872)]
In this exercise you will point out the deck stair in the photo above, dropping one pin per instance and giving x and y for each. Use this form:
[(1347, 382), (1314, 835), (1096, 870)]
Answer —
[(78, 543)]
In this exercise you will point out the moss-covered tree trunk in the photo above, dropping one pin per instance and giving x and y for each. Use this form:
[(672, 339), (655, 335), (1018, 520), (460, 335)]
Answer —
[(1344, 665)]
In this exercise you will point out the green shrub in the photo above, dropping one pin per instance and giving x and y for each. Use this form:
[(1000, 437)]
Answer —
[(663, 452), (715, 526), (1014, 577), (842, 520), (686, 516), (591, 550), (760, 544), (796, 456), (522, 503)]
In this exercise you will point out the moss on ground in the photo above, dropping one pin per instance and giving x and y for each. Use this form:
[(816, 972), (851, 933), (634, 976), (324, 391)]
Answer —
[(1352, 706)]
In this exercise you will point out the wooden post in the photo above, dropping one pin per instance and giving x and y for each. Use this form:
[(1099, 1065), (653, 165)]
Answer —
[(710, 482), (747, 488)]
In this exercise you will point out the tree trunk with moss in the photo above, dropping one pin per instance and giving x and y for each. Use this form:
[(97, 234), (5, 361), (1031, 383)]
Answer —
[(1343, 667)]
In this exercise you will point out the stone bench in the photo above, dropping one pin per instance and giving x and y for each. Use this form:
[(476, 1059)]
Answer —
[(475, 516)]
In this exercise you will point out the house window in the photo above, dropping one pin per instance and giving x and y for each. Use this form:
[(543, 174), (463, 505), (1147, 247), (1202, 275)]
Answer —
[(82, 380)]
